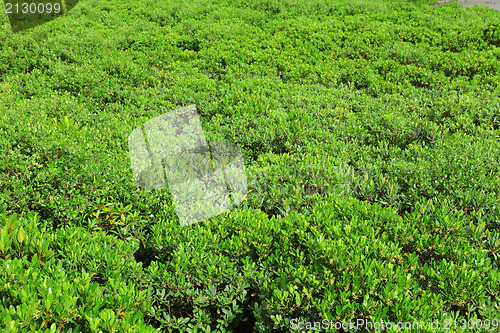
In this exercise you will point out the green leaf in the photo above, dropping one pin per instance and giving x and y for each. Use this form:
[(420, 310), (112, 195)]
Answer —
[(20, 235)]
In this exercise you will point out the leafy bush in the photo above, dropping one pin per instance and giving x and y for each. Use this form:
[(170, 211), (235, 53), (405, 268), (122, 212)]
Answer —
[(369, 132)]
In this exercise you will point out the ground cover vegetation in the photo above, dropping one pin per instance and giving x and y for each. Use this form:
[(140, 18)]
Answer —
[(370, 135)]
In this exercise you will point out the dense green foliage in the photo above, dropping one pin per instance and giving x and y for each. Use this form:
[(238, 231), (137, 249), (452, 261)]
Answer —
[(370, 135)]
